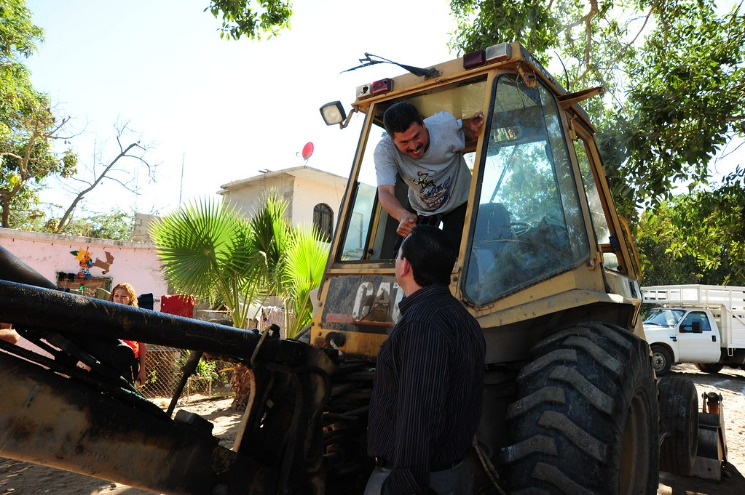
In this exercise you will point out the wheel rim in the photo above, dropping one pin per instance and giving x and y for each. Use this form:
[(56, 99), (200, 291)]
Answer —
[(635, 462), (658, 361)]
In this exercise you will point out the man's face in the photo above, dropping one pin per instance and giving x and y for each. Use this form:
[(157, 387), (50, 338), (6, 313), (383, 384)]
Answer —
[(414, 141)]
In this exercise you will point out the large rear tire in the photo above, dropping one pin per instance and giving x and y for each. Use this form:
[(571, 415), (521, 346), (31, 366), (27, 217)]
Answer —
[(679, 420), (586, 420)]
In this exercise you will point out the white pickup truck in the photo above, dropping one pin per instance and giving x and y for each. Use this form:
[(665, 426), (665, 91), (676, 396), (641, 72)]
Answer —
[(701, 324)]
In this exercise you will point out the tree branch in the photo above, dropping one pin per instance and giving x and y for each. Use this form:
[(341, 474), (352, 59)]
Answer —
[(123, 153)]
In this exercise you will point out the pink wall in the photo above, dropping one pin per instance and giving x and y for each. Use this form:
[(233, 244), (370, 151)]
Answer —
[(48, 254)]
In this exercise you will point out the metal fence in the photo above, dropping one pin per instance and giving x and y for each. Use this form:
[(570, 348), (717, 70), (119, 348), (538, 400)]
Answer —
[(164, 368), (212, 379)]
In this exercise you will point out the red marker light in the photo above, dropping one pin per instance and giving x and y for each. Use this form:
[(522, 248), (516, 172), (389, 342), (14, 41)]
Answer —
[(382, 86), (474, 59)]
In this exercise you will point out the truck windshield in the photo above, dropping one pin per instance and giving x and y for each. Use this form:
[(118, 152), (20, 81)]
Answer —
[(664, 317)]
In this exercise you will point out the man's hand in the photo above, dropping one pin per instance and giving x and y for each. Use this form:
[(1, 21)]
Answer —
[(472, 127), (408, 222)]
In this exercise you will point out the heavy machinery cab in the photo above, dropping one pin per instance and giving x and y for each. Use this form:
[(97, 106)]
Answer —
[(539, 210)]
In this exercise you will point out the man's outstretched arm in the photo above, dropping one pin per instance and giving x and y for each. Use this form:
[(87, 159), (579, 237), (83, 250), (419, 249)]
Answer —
[(391, 204)]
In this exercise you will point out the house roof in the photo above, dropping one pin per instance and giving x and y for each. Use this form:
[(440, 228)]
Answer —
[(303, 171)]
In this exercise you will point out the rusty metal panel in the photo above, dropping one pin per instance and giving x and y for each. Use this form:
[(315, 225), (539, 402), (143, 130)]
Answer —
[(50, 419)]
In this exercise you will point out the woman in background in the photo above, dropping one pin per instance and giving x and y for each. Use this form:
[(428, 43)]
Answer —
[(125, 294)]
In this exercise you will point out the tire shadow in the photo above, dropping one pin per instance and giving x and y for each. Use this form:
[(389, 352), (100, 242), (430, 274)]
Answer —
[(732, 483)]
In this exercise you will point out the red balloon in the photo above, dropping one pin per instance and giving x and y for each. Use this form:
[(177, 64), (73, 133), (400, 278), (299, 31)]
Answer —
[(307, 150)]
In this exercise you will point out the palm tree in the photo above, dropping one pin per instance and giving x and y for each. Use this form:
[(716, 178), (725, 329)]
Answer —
[(210, 251), (302, 272)]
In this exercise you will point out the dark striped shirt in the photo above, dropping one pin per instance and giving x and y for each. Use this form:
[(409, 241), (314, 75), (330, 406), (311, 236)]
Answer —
[(426, 401)]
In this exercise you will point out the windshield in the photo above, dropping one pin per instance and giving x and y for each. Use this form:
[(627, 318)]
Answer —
[(664, 317), (528, 224)]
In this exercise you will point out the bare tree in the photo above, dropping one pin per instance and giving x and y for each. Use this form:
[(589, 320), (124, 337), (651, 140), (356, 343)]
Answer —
[(113, 170)]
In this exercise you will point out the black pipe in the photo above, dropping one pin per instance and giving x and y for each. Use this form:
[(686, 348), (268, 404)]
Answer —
[(71, 314), (14, 269), (188, 369)]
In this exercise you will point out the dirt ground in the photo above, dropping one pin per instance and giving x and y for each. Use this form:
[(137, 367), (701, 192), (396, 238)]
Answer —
[(19, 478)]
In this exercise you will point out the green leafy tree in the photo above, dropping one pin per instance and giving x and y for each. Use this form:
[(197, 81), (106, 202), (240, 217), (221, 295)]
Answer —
[(674, 80), (655, 235), (301, 273), (251, 18), (697, 237), (674, 75), (116, 225), (686, 96), (29, 131), (27, 124), (208, 250)]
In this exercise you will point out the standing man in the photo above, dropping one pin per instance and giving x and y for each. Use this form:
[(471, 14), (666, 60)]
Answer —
[(428, 154), (426, 400)]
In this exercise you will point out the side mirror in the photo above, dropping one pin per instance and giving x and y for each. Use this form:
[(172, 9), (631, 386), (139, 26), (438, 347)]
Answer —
[(696, 326)]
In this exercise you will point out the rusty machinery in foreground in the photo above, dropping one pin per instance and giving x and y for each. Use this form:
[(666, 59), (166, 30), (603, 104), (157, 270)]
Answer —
[(571, 404)]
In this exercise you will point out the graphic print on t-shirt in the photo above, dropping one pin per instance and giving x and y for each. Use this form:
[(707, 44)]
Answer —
[(431, 194)]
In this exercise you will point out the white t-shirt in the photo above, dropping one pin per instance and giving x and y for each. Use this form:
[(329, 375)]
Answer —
[(439, 181)]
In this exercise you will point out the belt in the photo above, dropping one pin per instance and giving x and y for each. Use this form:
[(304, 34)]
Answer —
[(382, 462)]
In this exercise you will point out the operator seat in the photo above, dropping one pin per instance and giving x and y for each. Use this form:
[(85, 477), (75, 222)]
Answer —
[(493, 228), (492, 223)]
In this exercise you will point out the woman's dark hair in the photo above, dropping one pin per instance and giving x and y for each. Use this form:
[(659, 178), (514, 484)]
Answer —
[(400, 116), (431, 255)]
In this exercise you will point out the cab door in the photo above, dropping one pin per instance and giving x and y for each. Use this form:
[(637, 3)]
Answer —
[(703, 347)]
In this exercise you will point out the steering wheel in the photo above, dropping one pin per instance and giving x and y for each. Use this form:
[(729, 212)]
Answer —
[(520, 228)]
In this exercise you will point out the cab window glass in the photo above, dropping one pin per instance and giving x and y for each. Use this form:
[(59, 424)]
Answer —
[(697, 318), (528, 225), (599, 220)]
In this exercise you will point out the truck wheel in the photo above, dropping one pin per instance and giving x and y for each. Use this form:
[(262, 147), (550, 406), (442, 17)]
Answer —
[(586, 418), (710, 367), (661, 360), (679, 419)]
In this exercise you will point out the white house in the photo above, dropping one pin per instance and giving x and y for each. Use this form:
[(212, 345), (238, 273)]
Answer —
[(313, 196), (84, 264)]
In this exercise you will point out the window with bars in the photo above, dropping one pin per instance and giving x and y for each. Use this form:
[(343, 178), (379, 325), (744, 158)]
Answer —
[(323, 220)]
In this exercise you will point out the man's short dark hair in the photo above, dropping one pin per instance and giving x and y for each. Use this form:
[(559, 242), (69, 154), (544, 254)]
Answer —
[(431, 255), (400, 116)]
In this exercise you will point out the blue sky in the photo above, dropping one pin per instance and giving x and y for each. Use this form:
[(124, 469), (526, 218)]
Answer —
[(225, 109)]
